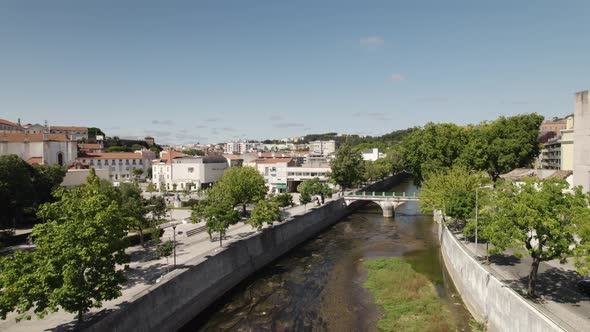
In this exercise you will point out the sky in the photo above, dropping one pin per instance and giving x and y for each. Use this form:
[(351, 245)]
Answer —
[(214, 71)]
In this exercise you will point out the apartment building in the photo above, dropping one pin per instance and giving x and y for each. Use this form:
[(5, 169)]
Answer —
[(181, 171), (323, 148), (120, 166), (77, 132), (582, 140)]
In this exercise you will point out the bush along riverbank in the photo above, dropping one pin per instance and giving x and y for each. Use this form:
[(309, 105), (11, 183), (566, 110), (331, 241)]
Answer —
[(409, 299)]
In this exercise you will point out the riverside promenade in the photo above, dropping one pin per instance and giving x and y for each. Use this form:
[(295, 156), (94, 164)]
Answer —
[(145, 270)]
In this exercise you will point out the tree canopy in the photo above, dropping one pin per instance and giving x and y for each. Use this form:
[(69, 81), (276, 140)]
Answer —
[(265, 212), (347, 167), (495, 147), (540, 216), (77, 250), (24, 187), (239, 186)]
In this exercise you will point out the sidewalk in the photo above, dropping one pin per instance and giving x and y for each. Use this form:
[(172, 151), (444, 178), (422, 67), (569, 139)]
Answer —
[(145, 271), (559, 298)]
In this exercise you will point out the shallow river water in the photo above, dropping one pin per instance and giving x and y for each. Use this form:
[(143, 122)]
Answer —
[(318, 285)]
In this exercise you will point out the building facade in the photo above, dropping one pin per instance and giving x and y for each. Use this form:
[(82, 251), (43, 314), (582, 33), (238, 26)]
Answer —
[(9, 127), (42, 149), (120, 166), (77, 133), (582, 140), (175, 170), (323, 148)]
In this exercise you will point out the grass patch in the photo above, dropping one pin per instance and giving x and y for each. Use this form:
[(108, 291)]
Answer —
[(408, 298)]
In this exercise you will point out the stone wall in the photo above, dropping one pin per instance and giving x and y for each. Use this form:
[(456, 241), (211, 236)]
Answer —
[(188, 291), (487, 298)]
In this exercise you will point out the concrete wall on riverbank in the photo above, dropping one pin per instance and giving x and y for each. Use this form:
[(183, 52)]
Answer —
[(189, 290), (487, 298)]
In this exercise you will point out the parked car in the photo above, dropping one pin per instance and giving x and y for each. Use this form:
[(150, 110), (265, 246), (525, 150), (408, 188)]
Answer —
[(584, 286)]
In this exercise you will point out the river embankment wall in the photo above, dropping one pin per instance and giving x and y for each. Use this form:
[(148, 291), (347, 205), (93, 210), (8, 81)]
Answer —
[(488, 299), (190, 289)]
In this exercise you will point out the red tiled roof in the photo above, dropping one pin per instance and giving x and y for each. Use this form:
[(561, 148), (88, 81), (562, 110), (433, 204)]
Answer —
[(68, 128), (167, 156), (274, 161), (21, 137), (112, 155), (35, 161), (8, 123), (233, 157)]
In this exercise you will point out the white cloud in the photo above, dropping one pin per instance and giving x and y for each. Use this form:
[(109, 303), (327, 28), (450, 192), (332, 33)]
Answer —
[(397, 77), (372, 41)]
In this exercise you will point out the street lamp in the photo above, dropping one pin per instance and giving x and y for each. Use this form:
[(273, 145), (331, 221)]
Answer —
[(476, 214), (174, 241)]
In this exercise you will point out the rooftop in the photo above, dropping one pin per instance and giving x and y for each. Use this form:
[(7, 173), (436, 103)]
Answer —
[(22, 137)]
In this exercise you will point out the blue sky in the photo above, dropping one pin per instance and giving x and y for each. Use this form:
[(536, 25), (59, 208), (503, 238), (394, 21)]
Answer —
[(210, 71)]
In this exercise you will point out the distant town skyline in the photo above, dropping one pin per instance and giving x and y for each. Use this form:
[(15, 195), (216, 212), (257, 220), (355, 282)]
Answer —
[(213, 71)]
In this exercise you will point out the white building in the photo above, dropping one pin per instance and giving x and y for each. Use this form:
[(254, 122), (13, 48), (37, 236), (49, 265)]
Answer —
[(275, 172), (77, 132), (42, 149), (372, 154), (186, 171), (120, 165), (323, 148), (10, 127), (582, 140)]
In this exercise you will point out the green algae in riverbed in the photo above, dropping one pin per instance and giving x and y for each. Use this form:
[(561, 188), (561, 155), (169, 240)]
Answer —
[(409, 299)]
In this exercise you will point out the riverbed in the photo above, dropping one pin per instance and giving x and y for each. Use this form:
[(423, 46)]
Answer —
[(318, 285)]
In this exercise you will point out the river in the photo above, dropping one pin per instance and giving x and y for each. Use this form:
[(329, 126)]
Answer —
[(318, 285)]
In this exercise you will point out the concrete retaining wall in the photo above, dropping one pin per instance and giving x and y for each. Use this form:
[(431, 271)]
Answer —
[(172, 304), (487, 298)]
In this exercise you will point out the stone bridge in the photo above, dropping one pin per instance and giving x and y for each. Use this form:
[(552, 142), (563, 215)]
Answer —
[(388, 201)]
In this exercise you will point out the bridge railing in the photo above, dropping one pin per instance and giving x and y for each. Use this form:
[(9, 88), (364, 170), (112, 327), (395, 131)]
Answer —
[(381, 194)]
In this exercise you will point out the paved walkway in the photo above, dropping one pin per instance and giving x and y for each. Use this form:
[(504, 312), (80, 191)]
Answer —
[(559, 298), (146, 269)]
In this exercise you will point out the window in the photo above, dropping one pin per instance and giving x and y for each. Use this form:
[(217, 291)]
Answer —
[(133, 162), (120, 162), (191, 169), (91, 162), (141, 161), (126, 161), (60, 159)]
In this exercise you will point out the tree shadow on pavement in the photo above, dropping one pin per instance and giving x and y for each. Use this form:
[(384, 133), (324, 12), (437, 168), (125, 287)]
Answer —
[(555, 285), (504, 260), (89, 319), (145, 275)]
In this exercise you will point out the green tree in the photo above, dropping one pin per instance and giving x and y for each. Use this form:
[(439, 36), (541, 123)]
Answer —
[(194, 152), (134, 208), (378, 169), (239, 186), (151, 188), (217, 214), (347, 167), (283, 200), (17, 192), (433, 148), (138, 172), (45, 179), (165, 250), (74, 264), (157, 207), (265, 212), (540, 216), (502, 145), (451, 191)]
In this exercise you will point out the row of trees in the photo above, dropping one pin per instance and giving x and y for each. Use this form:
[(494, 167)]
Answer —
[(495, 147), (78, 247), (541, 218)]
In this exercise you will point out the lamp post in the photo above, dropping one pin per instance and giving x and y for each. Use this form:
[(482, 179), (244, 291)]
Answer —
[(174, 241), (476, 214)]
